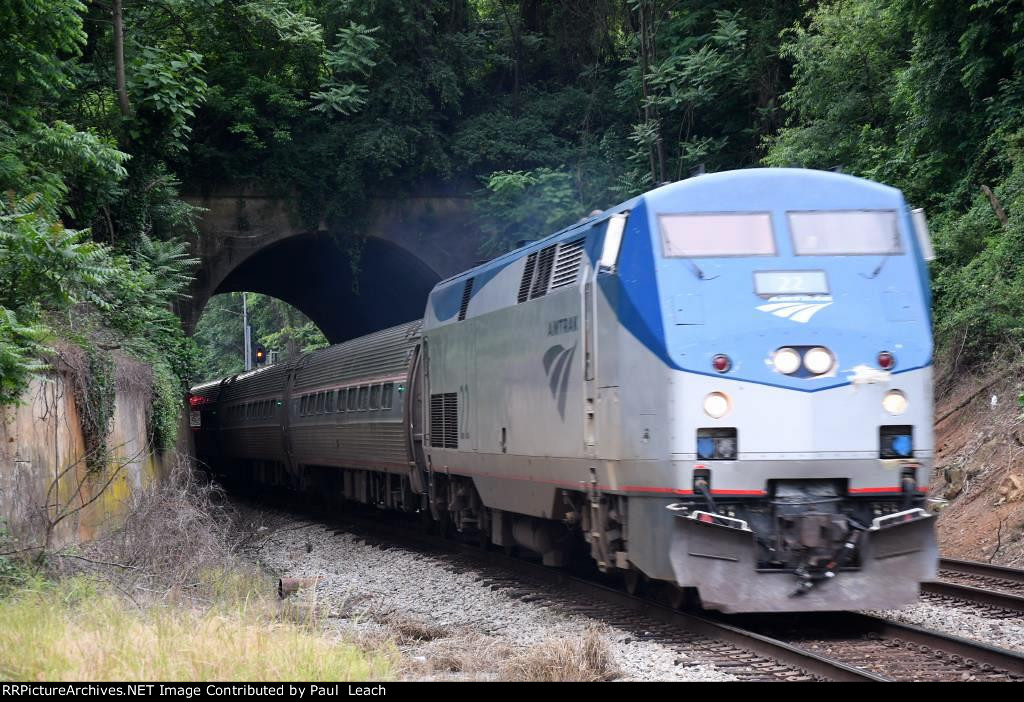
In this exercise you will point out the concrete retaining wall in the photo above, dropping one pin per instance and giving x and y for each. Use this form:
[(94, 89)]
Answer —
[(47, 494)]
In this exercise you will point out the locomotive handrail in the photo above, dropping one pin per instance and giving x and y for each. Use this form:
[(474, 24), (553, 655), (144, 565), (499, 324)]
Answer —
[(877, 522)]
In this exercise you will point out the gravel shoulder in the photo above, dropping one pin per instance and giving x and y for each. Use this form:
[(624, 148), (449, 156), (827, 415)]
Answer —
[(449, 625)]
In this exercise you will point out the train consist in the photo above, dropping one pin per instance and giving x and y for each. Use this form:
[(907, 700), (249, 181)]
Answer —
[(723, 384)]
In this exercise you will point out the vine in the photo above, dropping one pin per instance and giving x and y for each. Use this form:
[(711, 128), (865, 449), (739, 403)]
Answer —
[(95, 391)]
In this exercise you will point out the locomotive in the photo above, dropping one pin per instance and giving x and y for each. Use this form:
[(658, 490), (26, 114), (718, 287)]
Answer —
[(722, 385)]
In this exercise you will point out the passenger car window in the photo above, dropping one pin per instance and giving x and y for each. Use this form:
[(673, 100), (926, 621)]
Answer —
[(717, 234), (329, 406), (386, 395), (320, 403), (364, 396), (847, 233), (375, 397)]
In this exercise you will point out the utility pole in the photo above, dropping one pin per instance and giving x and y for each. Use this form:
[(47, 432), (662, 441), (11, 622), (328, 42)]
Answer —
[(246, 333)]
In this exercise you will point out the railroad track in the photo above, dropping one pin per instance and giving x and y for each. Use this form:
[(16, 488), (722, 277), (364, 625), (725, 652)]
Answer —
[(998, 590), (889, 649), (747, 655), (842, 646)]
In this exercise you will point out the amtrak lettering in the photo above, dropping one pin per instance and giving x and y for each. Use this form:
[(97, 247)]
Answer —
[(558, 366), (563, 326)]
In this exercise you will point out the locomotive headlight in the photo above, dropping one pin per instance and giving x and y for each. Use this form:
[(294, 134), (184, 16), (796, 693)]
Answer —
[(818, 360), (894, 402), (786, 360), (716, 405)]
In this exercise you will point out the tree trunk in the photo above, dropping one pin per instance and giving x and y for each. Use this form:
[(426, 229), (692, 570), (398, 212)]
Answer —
[(657, 151), (122, 87)]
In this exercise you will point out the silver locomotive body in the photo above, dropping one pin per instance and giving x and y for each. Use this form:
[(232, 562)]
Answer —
[(628, 384)]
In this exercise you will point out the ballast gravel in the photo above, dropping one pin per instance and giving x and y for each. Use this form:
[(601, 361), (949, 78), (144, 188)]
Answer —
[(1002, 633), (363, 585)]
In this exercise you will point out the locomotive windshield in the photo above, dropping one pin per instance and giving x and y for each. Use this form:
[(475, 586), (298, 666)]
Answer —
[(849, 233), (717, 234)]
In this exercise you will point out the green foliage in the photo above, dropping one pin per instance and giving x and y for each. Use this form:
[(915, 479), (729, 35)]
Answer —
[(305, 338), (527, 205), (95, 397), (276, 324), (166, 86), (847, 63), (40, 37), (350, 59), (21, 347), (45, 265), (556, 107)]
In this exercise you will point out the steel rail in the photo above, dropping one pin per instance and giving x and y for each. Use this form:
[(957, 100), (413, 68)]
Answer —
[(986, 570), (984, 654), (810, 662), (968, 593)]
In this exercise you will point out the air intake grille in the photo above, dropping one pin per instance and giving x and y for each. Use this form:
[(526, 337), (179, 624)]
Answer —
[(567, 266), (444, 420), (543, 276), (524, 286), (467, 292)]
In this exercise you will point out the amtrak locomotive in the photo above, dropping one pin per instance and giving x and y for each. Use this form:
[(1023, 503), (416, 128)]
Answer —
[(723, 385)]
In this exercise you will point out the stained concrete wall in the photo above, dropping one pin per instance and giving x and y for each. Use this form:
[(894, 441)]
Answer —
[(47, 493)]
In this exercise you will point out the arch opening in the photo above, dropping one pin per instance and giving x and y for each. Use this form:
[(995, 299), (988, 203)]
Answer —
[(345, 293)]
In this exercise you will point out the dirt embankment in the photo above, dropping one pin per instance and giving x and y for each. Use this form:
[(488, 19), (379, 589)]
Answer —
[(979, 467)]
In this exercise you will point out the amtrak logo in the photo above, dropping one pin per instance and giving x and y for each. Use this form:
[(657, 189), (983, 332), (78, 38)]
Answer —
[(558, 366), (798, 308)]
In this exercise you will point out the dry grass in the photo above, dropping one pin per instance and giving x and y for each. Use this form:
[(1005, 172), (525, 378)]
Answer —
[(175, 533), (464, 654), (586, 658), (167, 597), (407, 629), (76, 630)]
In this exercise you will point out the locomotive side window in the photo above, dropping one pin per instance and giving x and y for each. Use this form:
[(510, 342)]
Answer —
[(387, 393), (717, 234), (850, 233), (375, 397), (364, 396)]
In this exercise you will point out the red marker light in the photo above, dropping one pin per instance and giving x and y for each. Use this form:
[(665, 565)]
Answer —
[(706, 518), (721, 363), (196, 401), (886, 360)]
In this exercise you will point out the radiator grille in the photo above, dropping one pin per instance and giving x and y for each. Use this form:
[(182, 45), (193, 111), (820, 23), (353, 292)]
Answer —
[(467, 292), (444, 420), (567, 265), (543, 276), (524, 285)]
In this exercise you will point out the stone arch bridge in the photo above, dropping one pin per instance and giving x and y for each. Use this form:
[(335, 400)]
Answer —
[(349, 282)]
